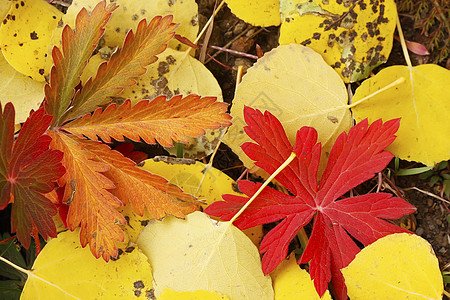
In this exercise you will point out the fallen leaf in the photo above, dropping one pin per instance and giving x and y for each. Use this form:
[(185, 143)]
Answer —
[(199, 254), (258, 13), (352, 36), (169, 294), (296, 85), (292, 282), (28, 170), (421, 101), (397, 266), (130, 12), (26, 36), (354, 158), (64, 270), (5, 6), (25, 93)]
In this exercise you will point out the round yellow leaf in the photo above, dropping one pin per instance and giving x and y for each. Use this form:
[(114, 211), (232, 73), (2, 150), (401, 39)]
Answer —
[(169, 294), (25, 93), (292, 282), (353, 37), (130, 12), (398, 266), (422, 102), (201, 254), (296, 85), (65, 270), (26, 37), (258, 13)]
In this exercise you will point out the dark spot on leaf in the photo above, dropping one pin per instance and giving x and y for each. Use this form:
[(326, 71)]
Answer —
[(288, 20), (129, 249), (150, 294), (171, 2), (4, 21), (41, 71), (138, 284), (15, 35), (17, 5), (362, 5), (117, 29), (337, 65), (137, 293), (22, 3), (134, 17), (170, 59), (127, 218), (163, 68), (333, 120), (143, 11), (380, 38), (306, 42), (364, 37), (144, 223), (374, 9), (194, 21), (379, 48), (235, 187), (316, 35), (54, 17), (21, 44), (352, 49)]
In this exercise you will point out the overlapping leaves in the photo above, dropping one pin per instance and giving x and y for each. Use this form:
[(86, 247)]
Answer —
[(354, 158)]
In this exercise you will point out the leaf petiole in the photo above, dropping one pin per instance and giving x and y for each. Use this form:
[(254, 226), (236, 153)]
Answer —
[(277, 171)]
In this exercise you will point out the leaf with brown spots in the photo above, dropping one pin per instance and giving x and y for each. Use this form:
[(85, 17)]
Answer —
[(125, 66), (77, 47)]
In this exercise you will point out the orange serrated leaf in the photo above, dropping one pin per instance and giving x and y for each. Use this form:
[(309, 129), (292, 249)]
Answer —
[(126, 64), (92, 205), (157, 120), (142, 189), (77, 47)]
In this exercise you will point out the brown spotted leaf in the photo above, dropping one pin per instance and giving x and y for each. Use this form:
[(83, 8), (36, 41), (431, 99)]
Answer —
[(157, 120), (125, 66)]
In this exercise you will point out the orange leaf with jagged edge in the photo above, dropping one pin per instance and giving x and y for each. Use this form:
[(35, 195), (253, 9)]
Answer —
[(92, 205), (28, 169), (142, 189), (160, 120), (125, 66), (77, 47)]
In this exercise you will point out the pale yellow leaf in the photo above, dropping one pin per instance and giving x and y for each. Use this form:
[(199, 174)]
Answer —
[(258, 13), (64, 270), (352, 36), (296, 85), (198, 253), (169, 294), (422, 102), (130, 12), (5, 5), (397, 266), (25, 93), (292, 282), (26, 36)]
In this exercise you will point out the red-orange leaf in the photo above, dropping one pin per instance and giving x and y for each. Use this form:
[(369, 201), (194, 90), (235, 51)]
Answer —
[(142, 189), (92, 205), (157, 120), (126, 64), (27, 171), (77, 47)]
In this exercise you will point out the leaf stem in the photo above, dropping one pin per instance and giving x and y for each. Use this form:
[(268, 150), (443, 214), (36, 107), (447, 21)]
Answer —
[(277, 171), (403, 43), (392, 84)]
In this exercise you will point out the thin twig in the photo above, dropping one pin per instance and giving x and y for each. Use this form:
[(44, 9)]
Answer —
[(426, 193)]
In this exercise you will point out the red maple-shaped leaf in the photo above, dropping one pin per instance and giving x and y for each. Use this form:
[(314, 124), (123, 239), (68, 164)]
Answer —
[(355, 158), (28, 170)]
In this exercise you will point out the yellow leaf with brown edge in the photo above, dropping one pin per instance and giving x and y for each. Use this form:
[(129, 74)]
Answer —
[(26, 36), (421, 101), (397, 266), (292, 282), (296, 85), (352, 36), (64, 270)]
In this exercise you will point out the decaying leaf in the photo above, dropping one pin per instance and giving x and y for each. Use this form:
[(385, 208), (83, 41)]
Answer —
[(26, 36), (354, 158), (197, 253), (292, 282), (64, 270), (130, 12), (25, 93), (421, 101), (258, 13), (28, 170), (352, 36), (299, 88), (397, 266)]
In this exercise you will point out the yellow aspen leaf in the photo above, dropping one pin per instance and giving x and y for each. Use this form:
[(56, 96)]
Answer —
[(421, 101), (26, 36), (206, 184), (25, 93), (262, 13), (397, 266), (296, 85), (169, 294), (64, 270), (157, 120), (130, 12), (201, 254), (353, 37), (5, 6), (292, 282)]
